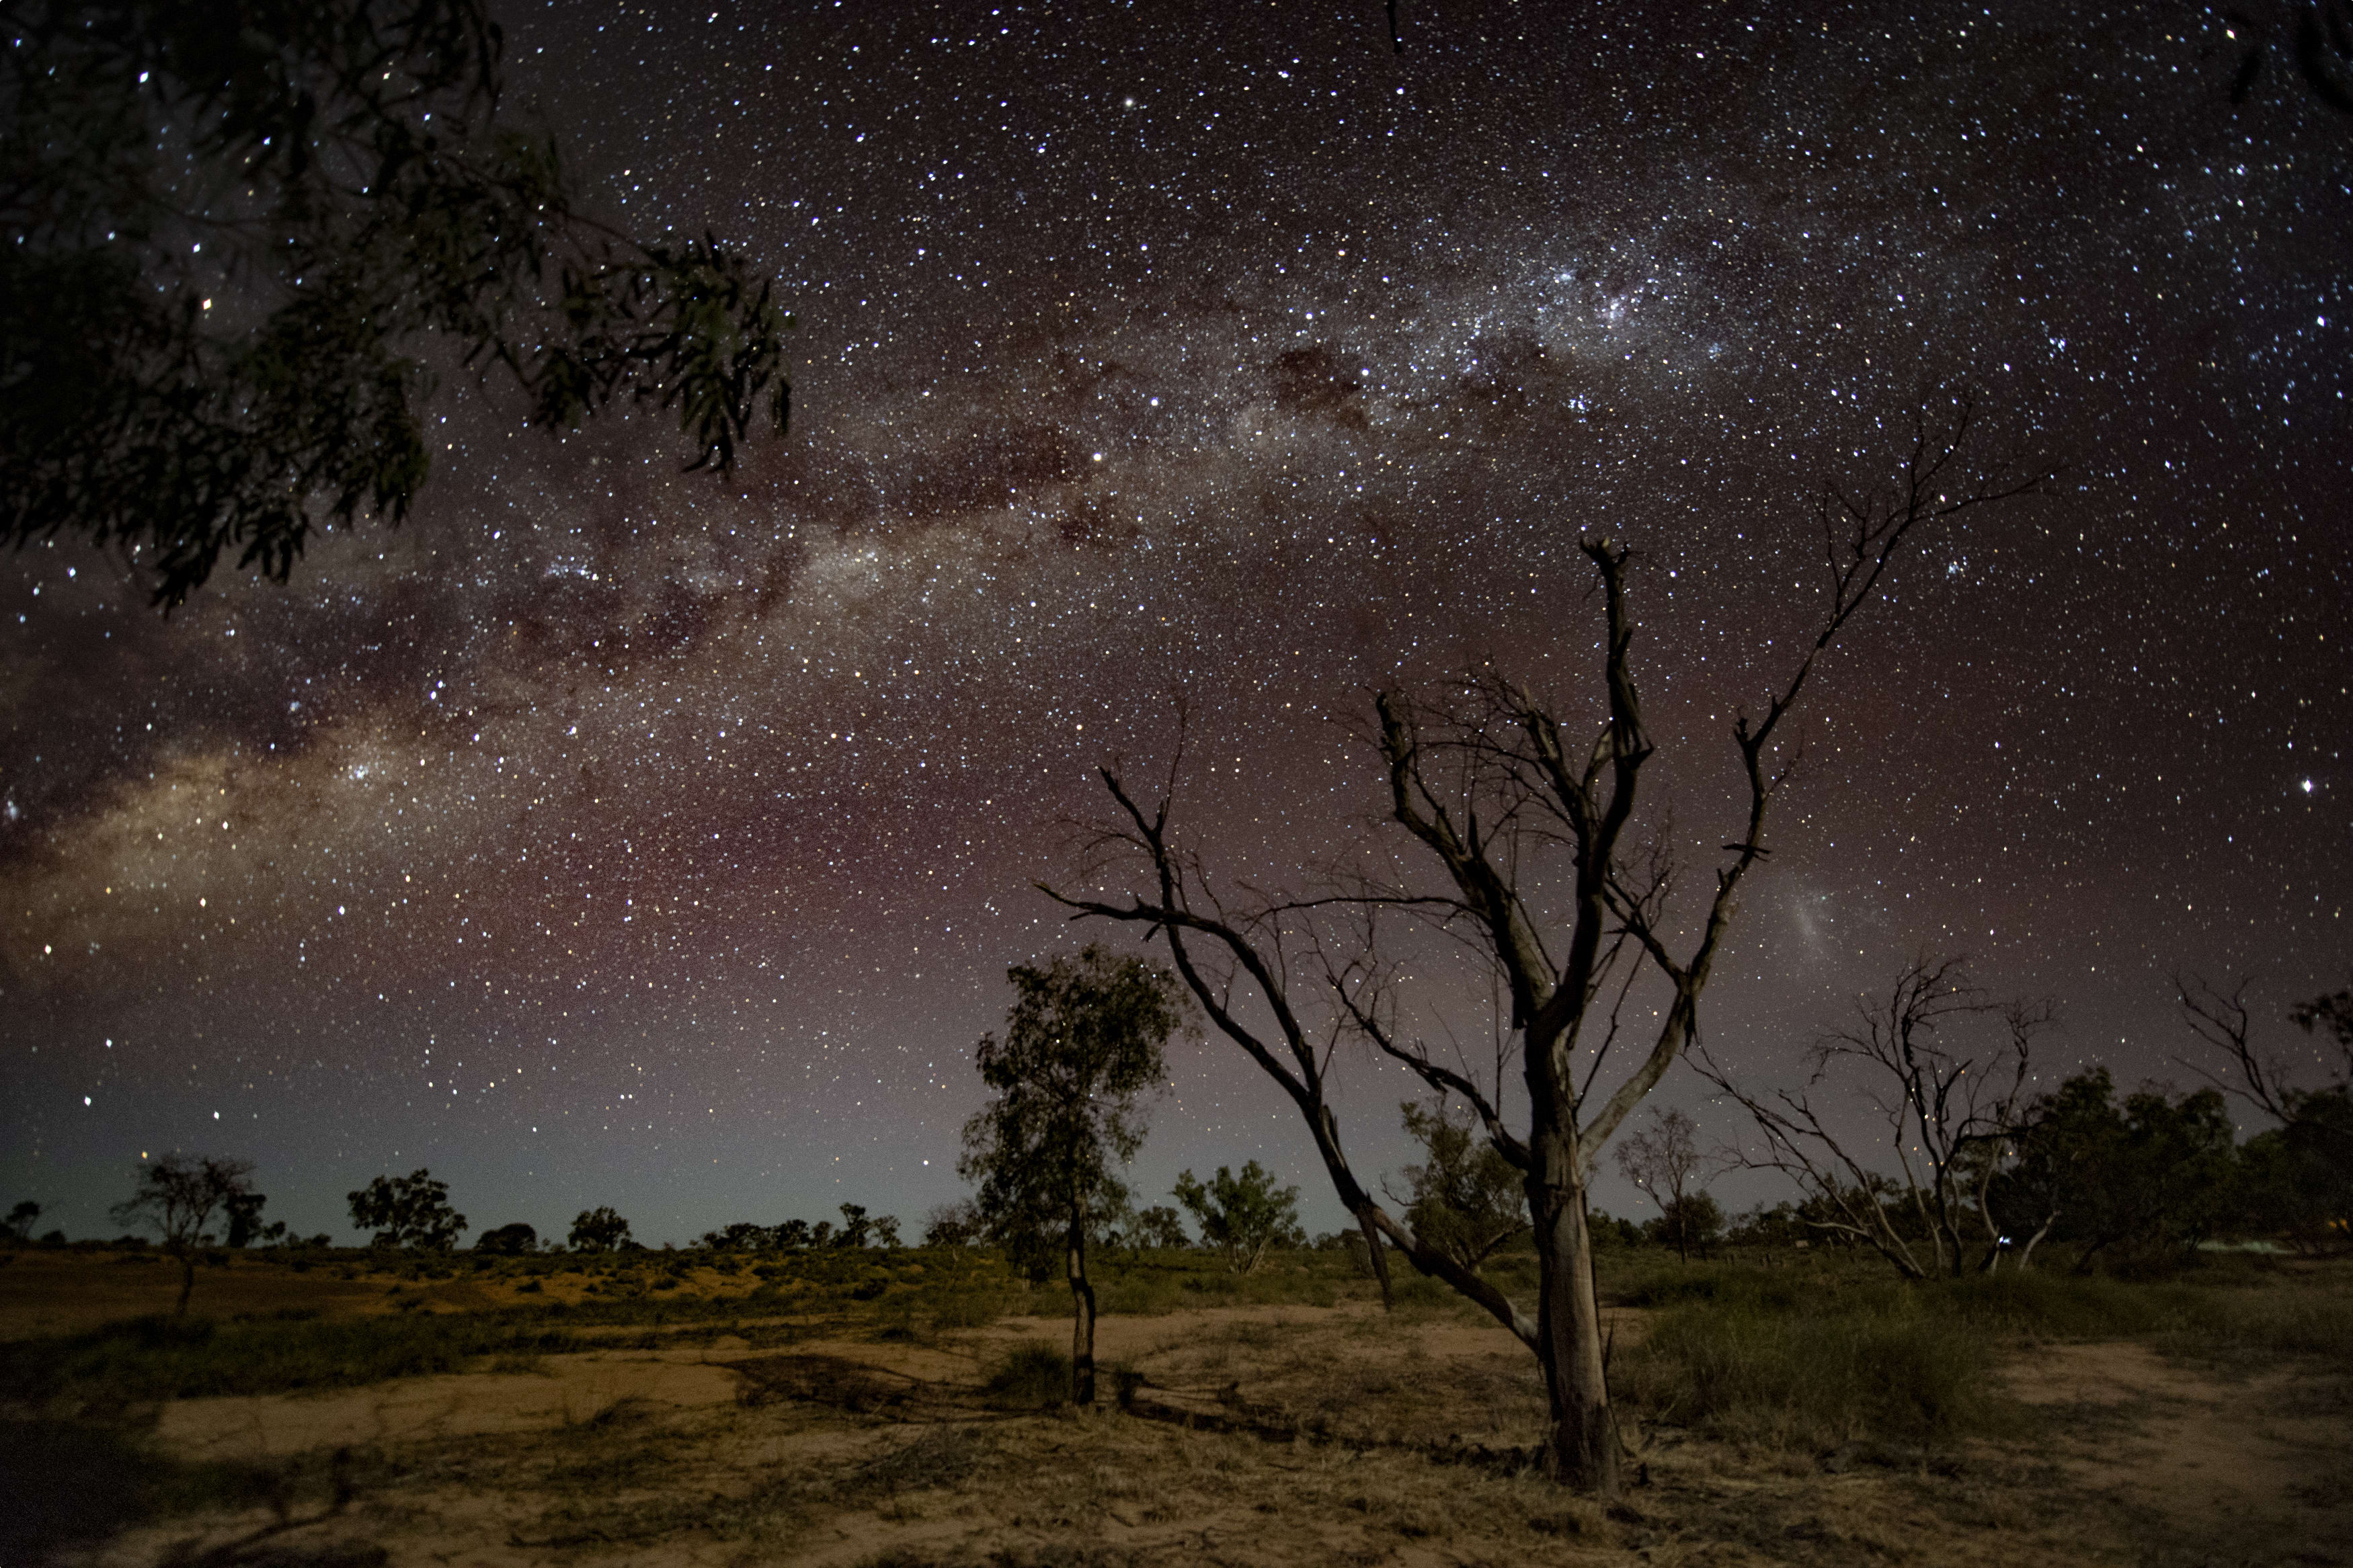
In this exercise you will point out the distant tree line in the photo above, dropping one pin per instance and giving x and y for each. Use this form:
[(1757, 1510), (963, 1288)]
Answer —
[(1971, 1169), (1964, 1166)]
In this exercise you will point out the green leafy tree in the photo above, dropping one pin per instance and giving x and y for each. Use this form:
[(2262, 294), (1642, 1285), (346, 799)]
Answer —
[(2166, 1185), (2297, 1178), (1692, 1223), (18, 1225), (508, 1241), (741, 1236), (957, 1225), (1465, 1198), (238, 227), (1777, 1228), (1082, 1046), (1610, 1232), (243, 1212), (179, 1195), (411, 1211), (1664, 1161), (1241, 1215), (1161, 1226), (2058, 1160), (599, 1229), (793, 1235), (2146, 1179)]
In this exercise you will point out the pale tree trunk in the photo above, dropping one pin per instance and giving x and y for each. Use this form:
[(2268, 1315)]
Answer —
[(1984, 1196), (2026, 1253), (1584, 1450), (1082, 1318)]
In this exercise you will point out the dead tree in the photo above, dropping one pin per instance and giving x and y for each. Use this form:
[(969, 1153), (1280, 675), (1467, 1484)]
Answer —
[(1526, 821), (1664, 1162), (1945, 1118)]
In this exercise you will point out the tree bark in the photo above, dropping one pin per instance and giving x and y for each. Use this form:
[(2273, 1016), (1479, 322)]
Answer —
[(1584, 1450), (187, 1280)]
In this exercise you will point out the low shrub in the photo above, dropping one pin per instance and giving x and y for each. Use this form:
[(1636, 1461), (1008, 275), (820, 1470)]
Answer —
[(1416, 1298), (975, 1308), (1140, 1295), (1032, 1377)]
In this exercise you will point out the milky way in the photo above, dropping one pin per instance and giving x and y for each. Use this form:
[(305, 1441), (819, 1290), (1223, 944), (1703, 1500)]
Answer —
[(609, 834)]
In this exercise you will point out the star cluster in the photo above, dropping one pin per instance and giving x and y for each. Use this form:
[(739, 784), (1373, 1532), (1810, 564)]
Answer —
[(611, 834)]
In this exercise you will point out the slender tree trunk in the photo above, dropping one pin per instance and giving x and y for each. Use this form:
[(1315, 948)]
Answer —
[(1082, 1320), (2026, 1253), (1985, 1210), (1381, 1257), (1584, 1433), (187, 1280)]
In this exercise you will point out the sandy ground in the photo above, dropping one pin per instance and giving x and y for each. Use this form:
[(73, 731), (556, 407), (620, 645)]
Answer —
[(835, 1455), (2247, 1467)]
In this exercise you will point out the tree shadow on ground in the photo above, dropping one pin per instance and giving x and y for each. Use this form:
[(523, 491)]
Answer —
[(68, 1485)]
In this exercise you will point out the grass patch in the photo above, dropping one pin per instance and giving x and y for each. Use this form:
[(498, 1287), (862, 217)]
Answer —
[(2251, 1325), (1792, 1357), (187, 1358), (940, 1457), (816, 1380), (974, 1308), (1746, 1369), (1417, 1298), (612, 1508), (1050, 1555), (1142, 1294), (2072, 1307)]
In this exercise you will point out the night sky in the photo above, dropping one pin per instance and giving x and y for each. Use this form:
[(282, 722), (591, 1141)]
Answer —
[(613, 835)]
